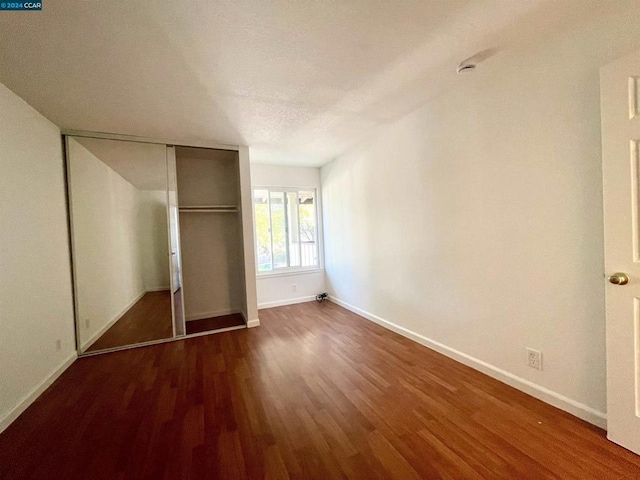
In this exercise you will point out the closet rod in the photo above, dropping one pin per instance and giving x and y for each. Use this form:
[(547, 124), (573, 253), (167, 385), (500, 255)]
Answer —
[(210, 207), (207, 210)]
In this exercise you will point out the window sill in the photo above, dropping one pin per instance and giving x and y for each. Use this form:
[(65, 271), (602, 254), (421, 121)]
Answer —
[(288, 273)]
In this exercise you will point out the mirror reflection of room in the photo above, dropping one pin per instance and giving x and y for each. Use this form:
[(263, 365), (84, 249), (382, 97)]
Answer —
[(118, 204)]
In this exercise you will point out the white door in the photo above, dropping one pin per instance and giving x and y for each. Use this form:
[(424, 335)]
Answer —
[(174, 245), (620, 101)]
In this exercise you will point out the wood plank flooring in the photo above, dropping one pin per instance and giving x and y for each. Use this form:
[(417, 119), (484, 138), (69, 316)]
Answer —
[(214, 323), (316, 392), (148, 319)]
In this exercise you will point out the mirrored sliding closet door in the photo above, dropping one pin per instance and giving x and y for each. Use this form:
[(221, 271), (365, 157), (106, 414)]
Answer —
[(121, 243)]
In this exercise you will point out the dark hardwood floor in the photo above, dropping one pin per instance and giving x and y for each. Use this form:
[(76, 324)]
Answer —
[(149, 319), (214, 323), (316, 392)]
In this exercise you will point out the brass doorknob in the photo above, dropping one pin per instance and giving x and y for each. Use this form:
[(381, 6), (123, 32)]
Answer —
[(619, 278)]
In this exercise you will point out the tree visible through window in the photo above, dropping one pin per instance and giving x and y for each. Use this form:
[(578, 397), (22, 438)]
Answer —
[(286, 229)]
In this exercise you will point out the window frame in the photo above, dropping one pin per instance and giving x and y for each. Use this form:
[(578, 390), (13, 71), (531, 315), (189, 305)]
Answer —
[(282, 271)]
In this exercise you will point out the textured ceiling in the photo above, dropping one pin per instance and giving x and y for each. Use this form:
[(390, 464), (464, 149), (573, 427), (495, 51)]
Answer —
[(298, 81)]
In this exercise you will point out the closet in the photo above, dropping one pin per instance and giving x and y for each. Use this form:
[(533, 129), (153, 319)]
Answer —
[(209, 206), (161, 240)]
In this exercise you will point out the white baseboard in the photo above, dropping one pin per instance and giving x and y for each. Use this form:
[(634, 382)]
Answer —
[(578, 409), (281, 303), (110, 323), (35, 393), (211, 314), (250, 323)]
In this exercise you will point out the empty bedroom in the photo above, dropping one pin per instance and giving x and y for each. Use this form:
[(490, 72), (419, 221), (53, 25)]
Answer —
[(318, 239)]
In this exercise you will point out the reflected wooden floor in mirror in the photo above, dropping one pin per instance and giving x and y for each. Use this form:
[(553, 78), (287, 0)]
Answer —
[(149, 319), (214, 323)]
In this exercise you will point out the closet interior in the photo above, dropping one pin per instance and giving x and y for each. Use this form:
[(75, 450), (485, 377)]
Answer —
[(209, 203)]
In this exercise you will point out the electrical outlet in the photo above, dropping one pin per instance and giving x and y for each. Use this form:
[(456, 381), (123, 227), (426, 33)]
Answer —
[(534, 358), (86, 323), (58, 345), (294, 288)]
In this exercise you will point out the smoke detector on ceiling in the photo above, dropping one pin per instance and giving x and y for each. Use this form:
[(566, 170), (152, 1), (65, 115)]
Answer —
[(466, 67)]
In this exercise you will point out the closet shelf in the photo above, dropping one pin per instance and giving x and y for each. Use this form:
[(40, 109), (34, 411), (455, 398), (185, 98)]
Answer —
[(208, 209)]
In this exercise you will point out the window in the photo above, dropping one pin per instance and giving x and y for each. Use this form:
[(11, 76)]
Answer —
[(286, 229)]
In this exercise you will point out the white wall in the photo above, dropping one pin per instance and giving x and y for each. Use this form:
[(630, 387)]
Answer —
[(36, 307), (211, 265), (476, 221), (245, 224), (274, 290)]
